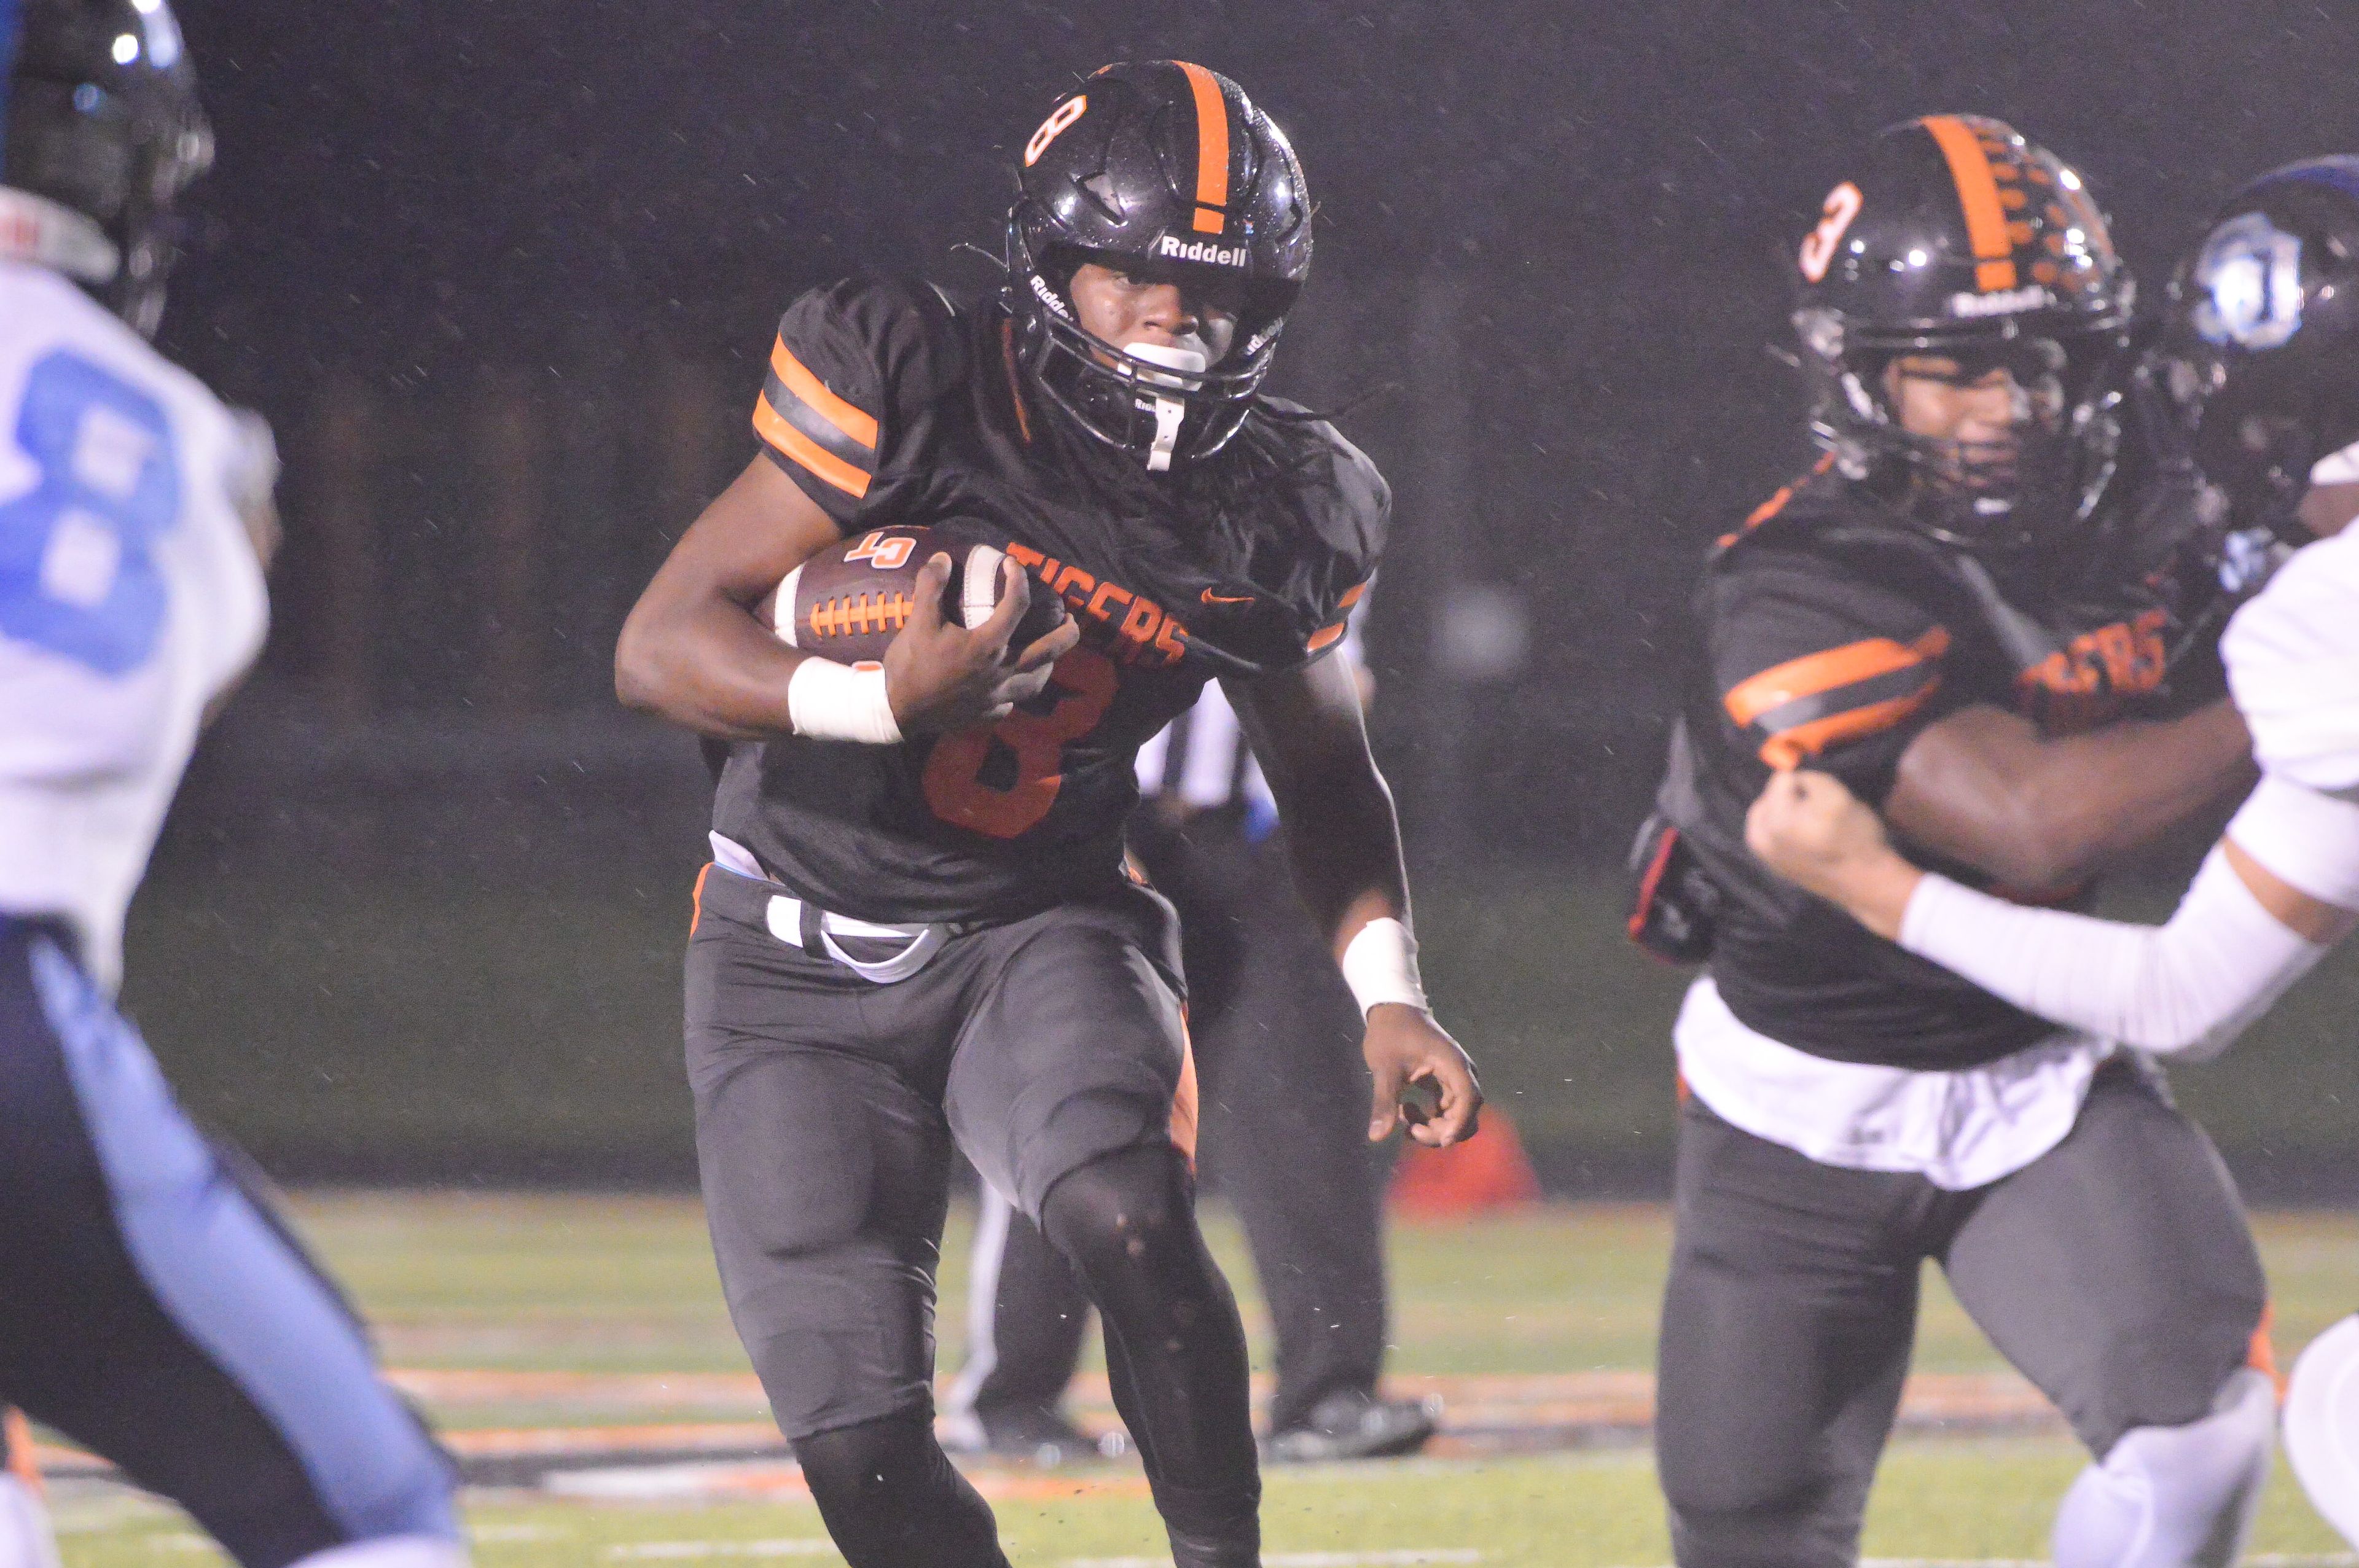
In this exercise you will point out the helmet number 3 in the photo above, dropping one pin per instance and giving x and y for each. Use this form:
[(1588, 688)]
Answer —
[(1818, 245), (1062, 115), (77, 578)]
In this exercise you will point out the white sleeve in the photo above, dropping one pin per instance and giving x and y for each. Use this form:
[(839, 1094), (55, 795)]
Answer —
[(2188, 987)]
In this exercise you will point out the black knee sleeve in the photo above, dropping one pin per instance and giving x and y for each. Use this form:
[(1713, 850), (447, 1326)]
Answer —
[(1175, 1344), (892, 1500)]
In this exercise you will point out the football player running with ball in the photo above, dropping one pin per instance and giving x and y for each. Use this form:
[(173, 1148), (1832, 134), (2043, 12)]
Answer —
[(2264, 342), (917, 928), (156, 1311), (1958, 617)]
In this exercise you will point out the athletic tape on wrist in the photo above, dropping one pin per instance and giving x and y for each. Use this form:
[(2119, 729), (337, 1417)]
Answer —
[(829, 701), (1380, 965)]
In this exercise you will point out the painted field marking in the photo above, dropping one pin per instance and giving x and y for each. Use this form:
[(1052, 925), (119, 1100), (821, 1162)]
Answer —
[(674, 1549), (2256, 1560), (1408, 1559)]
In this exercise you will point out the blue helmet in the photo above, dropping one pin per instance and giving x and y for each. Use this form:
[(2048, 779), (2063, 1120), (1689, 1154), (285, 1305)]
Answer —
[(100, 131), (2261, 343)]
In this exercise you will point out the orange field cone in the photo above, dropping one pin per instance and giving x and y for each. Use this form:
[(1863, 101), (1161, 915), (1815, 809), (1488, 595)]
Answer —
[(21, 1463), (1487, 1173)]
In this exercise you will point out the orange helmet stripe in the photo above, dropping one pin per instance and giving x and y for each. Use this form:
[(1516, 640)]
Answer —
[(1212, 148), (1970, 171)]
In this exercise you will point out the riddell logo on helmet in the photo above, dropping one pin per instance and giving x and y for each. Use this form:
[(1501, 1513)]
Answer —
[(1177, 249), (2006, 302), (1048, 296)]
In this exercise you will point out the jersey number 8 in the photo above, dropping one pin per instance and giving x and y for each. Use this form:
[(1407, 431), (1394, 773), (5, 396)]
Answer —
[(1083, 682), (77, 574)]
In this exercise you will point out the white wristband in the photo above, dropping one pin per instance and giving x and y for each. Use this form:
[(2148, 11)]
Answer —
[(829, 701), (1380, 965)]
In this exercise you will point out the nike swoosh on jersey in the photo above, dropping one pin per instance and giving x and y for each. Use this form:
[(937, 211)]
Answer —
[(1212, 597)]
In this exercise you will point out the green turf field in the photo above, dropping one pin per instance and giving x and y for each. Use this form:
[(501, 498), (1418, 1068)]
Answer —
[(625, 1286)]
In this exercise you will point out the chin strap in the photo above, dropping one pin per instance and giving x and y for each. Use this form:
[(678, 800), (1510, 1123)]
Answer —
[(1188, 359), (37, 230), (1168, 413)]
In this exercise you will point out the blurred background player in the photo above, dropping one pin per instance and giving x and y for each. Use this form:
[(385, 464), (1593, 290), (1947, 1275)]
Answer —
[(1281, 1092), (1960, 615), (157, 1312), (1007, 988), (2262, 348)]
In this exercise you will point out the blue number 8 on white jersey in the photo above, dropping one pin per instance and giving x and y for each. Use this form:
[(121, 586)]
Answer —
[(130, 596)]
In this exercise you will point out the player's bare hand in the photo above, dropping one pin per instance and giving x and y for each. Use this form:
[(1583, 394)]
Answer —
[(1423, 1081), (942, 677), (1815, 833)]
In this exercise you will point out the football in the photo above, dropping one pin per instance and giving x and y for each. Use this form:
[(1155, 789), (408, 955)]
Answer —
[(847, 602)]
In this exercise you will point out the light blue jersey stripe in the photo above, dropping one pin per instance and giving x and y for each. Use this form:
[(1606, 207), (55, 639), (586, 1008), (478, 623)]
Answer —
[(225, 1278)]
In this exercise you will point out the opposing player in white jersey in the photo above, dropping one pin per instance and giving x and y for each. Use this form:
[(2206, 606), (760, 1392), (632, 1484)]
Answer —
[(151, 1308), (2264, 346)]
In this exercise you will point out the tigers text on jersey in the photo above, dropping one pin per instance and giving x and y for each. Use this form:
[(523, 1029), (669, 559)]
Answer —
[(130, 596), (890, 406), (1834, 637)]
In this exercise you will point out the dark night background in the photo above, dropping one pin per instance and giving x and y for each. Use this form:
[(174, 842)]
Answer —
[(503, 277)]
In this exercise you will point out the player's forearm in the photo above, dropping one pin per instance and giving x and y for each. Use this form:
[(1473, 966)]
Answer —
[(2042, 814), (2185, 986), (2113, 792), (1344, 842), (706, 667)]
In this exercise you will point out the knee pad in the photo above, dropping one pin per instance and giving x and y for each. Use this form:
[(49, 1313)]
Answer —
[(2175, 1496), (25, 1538), (391, 1551), (2322, 1426), (1119, 1209)]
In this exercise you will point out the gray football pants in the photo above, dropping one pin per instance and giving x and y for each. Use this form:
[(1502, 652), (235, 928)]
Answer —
[(2115, 1271), (1283, 1100)]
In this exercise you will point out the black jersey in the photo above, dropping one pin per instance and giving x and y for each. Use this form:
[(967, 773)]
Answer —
[(888, 403), (1832, 636)]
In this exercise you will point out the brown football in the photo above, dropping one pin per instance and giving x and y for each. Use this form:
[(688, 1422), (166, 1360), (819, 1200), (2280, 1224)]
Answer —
[(847, 602)]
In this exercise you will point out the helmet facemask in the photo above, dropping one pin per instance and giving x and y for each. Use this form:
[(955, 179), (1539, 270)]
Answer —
[(1956, 237), (1169, 405), (2008, 499), (1163, 171)]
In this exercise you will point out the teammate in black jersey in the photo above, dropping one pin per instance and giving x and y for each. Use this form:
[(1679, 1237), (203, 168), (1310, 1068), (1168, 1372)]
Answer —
[(985, 973), (1971, 614)]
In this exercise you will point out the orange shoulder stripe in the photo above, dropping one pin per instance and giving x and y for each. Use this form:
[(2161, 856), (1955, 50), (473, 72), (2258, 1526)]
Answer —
[(857, 427), (1777, 500), (1787, 750), (772, 427), (1970, 171), (1812, 674)]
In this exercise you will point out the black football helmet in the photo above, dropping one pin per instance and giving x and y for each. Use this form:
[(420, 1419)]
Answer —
[(1958, 237), (100, 131), (2260, 342), (1165, 169)]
